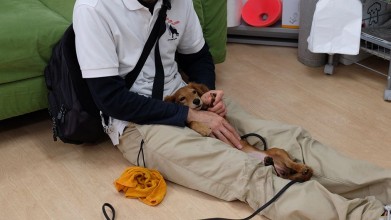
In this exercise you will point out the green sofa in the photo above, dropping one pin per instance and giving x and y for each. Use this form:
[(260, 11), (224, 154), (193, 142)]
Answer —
[(30, 28)]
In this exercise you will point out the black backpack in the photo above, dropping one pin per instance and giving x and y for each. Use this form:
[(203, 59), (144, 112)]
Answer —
[(76, 118)]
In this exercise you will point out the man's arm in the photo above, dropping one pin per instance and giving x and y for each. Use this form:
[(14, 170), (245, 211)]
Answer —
[(200, 68), (114, 99)]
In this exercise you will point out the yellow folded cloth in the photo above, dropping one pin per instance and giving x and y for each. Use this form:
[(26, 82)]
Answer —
[(145, 184)]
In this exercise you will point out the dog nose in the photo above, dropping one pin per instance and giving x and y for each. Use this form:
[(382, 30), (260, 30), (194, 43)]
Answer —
[(196, 101)]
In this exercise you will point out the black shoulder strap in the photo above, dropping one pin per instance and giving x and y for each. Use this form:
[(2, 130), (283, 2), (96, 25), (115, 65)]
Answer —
[(153, 37)]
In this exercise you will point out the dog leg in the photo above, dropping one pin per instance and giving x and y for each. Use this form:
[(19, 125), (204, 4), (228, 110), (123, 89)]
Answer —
[(284, 166), (201, 128), (259, 154), (287, 168)]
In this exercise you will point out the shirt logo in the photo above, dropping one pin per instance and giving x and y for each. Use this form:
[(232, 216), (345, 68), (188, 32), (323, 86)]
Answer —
[(173, 32)]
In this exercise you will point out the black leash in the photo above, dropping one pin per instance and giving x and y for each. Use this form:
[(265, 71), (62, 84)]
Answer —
[(258, 136), (247, 218), (270, 162), (262, 207), (141, 151), (112, 211)]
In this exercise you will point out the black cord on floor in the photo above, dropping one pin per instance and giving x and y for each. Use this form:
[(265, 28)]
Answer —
[(270, 201), (262, 207), (247, 218), (105, 213), (258, 136), (141, 151)]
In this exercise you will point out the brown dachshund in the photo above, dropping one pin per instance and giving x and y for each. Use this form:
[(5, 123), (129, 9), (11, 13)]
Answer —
[(284, 166)]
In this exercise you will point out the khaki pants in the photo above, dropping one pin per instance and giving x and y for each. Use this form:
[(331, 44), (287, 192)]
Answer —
[(341, 188)]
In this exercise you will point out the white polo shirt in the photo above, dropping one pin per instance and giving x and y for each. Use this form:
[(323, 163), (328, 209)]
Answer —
[(111, 34)]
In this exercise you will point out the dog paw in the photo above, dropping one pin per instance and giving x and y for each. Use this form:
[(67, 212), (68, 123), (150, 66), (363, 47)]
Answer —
[(302, 174), (305, 173), (268, 161)]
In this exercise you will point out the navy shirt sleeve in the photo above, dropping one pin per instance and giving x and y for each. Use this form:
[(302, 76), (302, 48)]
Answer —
[(112, 97), (199, 67)]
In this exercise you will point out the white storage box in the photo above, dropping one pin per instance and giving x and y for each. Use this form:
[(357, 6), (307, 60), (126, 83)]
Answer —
[(290, 14)]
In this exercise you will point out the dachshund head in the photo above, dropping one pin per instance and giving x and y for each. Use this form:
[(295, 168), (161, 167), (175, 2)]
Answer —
[(189, 95)]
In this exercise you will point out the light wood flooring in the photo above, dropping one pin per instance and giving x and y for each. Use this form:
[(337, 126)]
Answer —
[(42, 179)]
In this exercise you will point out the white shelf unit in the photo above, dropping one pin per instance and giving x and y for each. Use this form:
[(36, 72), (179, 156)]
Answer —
[(274, 35), (377, 41)]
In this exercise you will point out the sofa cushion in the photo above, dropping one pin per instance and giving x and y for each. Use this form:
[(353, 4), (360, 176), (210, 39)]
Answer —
[(22, 96), (61, 7), (29, 29)]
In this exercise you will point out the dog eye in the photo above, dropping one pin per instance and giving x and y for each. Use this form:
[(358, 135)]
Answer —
[(194, 92), (182, 99)]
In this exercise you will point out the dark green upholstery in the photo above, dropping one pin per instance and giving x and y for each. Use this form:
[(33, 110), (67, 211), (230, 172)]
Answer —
[(30, 28)]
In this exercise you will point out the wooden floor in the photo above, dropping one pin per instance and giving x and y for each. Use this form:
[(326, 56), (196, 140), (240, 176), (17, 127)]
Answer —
[(42, 179)]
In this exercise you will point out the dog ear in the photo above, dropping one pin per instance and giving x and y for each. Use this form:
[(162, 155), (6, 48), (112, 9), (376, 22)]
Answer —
[(200, 88), (169, 98)]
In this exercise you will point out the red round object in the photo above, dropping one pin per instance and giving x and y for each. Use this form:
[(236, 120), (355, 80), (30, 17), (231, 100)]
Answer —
[(262, 13)]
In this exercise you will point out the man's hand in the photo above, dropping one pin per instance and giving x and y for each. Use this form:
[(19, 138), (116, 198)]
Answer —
[(214, 98), (220, 127)]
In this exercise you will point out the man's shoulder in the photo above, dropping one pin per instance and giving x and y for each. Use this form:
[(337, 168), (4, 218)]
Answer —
[(91, 3)]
